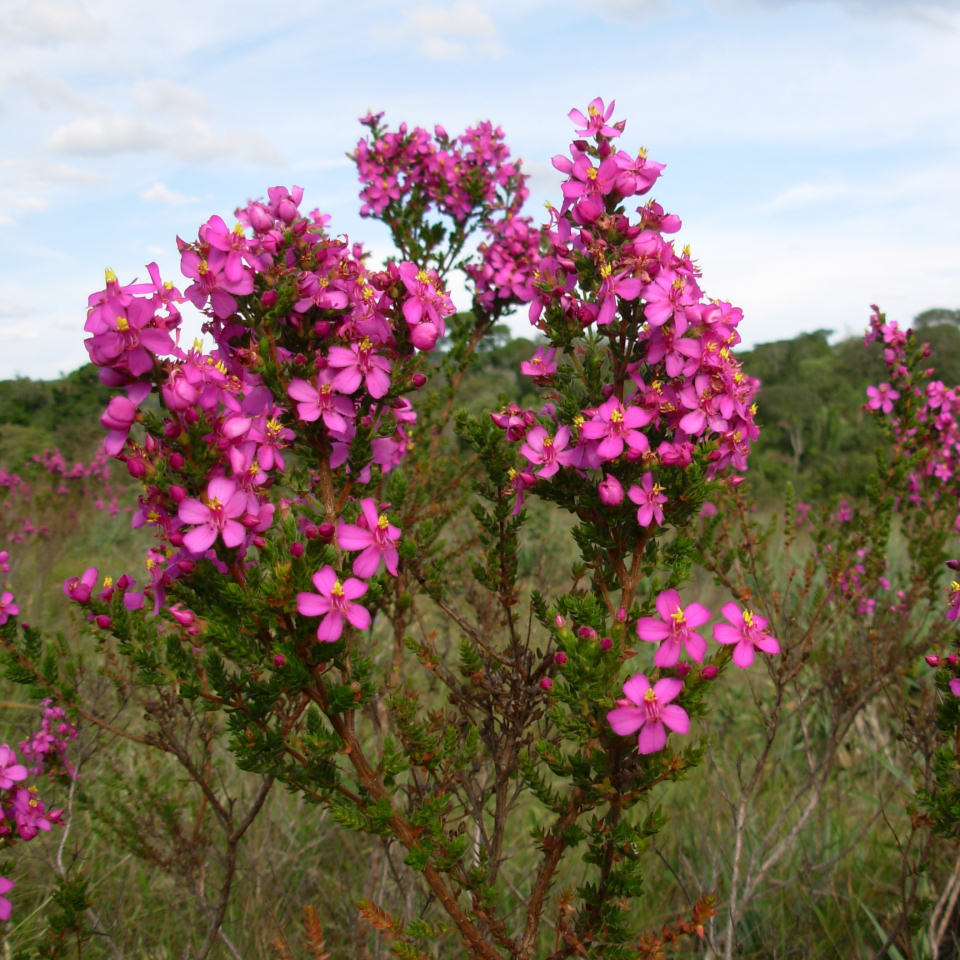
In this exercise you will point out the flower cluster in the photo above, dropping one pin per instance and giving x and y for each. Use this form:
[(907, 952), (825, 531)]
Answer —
[(312, 353), (647, 708), (24, 814), (673, 390)]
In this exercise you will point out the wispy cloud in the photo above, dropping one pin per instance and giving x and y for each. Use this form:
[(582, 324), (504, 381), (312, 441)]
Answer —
[(56, 21), (452, 32), (161, 193)]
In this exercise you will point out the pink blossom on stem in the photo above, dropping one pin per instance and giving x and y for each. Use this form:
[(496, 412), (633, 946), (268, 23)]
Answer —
[(648, 710), (746, 630), (375, 536), (650, 499), (675, 628), (334, 602), (7, 607), (11, 771), (214, 516)]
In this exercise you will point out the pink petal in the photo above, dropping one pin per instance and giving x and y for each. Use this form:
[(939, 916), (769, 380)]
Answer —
[(626, 720), (675, 718), (653, 737), (636, 687)]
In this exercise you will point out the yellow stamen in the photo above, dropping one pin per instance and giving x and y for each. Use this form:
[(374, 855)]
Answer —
[(382, 521), (616, 416), (748, 617), (110, 275), (123, 323), (649, 695), (107, 583), (336, 590)]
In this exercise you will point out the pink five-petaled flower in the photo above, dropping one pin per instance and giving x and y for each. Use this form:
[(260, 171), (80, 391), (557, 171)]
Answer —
[(334, 602), (5, 906), (214, 515), (10, 771), (648, 709), (550, 452), (746, 631), (650, 499), (882, 398), (79, 588), (375, 536), (7, 607), (675, 627)]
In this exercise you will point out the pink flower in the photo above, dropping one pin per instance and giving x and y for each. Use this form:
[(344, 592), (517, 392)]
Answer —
[(541, 365), (882, 398), (615, 425), (648, 709), (550, 452), (359, 364), (746, 631), (7, 607), (334, 602), (5, 906), (375, 536), (955, 686), (214, 516), (10, 771), (650, 499), (674, 628), (80, 588)]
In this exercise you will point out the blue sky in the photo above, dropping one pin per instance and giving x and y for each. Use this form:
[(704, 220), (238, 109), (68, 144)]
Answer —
[(812, 146)]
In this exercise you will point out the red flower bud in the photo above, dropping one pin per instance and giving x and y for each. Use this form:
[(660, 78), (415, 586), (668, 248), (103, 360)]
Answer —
[(296, 549), (709, 671), (546, 684)]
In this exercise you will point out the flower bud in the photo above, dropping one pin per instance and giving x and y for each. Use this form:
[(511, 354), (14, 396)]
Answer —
[(325, 532), (296, 549), (311, 531), (932, 659), (952, 660), (559, 622), (622, 615), (610, 491), (103, 621), (171, 429), (177, 493), (560, 658), (586, 633), (709, 671), (136, 468), (418, 380), (682, 668), (269, 299), (546, 684), (176, 461), (279, 660), (259, 542), (606, 644)]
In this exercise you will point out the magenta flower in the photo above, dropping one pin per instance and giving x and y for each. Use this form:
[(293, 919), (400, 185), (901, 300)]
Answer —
[(334, 602), (610, 490), (541, 365), (80, 588), (955, 686), (650, 499), (314, 403), (215, 515), (882, 398), (5, 906), (7, 607), (648, 709), (674, 628), (615, 425), (746, 631), (10, 770), (375, 536), (359, 364), (550, 452)]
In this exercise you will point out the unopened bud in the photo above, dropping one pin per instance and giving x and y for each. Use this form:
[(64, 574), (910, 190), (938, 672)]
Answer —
[(606, 644), (709, 671), (546, 684), (682, 668), (326, 531), (952, 660), (279, 660), (103, 621), (560, 658), (296, 549), (418, 380), (932, 659)]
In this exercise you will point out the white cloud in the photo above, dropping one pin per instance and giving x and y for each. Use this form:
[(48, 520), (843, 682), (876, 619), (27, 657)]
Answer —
[(161, 193), (168, 98), (453, 32), (50, 92), (51, 21), (105, 134)]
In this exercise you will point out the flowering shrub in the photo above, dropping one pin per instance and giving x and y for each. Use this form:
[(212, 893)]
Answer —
[(316, 585)]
